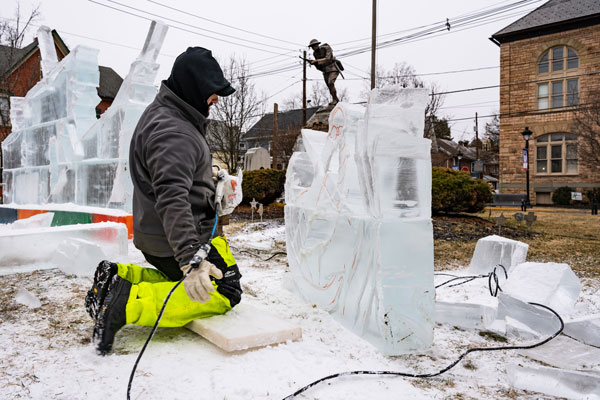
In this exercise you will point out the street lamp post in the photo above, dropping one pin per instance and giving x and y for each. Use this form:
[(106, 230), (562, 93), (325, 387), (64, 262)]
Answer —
[(459, 156), (526, 135)]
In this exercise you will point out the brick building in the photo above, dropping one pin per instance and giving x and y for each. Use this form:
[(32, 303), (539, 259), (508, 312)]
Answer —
[(549, 60)]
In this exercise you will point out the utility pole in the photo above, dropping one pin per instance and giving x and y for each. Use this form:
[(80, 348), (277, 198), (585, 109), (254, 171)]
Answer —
[(476, 137), (274, 145), (373, 43), (304, 90)]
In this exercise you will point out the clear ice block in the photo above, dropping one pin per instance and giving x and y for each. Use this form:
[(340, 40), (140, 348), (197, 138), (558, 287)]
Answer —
[(564, 352), (586, 329), (552, 284), (47, 49), (367, 260), (555, 382), (58, 151), (80, 257), (38, 245), (493, 250), (464, 315), (525, 320)]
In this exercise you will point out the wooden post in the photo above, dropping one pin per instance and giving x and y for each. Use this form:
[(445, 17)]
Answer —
[(304, 91), (373, 43), (274, 145)]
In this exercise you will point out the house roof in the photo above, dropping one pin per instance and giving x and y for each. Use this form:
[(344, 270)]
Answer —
[(10, 56), (451, 148), (110, 82), (553, 16), (287, 120)]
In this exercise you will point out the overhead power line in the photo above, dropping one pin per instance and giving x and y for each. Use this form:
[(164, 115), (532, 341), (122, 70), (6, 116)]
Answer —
[(183, 29), (222, 24)]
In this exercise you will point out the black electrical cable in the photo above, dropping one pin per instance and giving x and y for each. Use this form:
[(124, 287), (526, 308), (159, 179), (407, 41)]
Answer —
[(162, 310), (450, 366), (264, 259), (492, 277)]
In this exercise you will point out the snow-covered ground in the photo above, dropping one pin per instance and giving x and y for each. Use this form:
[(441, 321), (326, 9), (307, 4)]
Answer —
[(45, 353)]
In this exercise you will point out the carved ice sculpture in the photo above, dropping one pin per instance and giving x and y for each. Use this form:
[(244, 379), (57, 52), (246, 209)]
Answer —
[(58, 151), (358, 220)]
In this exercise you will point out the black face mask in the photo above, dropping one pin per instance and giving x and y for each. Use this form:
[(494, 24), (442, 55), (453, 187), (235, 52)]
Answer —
[(195, 76)]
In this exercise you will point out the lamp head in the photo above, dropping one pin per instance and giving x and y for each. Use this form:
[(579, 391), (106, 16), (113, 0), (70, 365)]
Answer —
[(526, 133)]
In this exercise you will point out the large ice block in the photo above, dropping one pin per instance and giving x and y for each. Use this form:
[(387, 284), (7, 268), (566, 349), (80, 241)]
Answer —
[(555, 382), (76, 256), (357, 218), (525, 320), (586, 329), (552, 284), (38, 245), (464, 315), (58, 151), (566, 353), (493, 250)]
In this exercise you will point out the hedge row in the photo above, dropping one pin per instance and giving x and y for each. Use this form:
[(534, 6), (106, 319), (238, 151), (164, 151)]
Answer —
[(452, 191)]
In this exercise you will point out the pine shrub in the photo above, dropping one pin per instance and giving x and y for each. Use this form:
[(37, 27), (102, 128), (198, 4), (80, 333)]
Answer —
[(264, 185), (455, 191)]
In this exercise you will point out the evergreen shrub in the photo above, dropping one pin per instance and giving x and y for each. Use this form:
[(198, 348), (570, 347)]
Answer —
[(264, 185), (455, 191), (562, 195)]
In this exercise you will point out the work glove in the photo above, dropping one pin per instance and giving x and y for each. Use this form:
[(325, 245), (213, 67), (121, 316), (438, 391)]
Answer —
[(215, 173), (198, 285)]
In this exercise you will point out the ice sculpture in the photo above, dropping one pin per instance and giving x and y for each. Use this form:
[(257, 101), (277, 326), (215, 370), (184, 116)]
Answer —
[(58, 151), (358, 220)]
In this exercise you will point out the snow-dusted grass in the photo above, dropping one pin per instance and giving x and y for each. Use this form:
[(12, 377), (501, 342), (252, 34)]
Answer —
[(45, 353)]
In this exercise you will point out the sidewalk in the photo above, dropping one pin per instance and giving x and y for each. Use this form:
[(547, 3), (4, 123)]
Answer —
[(557, 210)]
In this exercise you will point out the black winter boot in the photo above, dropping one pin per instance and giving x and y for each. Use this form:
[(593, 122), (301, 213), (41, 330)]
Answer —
[(111, 317), (96, 295)]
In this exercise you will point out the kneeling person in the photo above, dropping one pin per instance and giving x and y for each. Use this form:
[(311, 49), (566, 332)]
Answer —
[(174, 211)]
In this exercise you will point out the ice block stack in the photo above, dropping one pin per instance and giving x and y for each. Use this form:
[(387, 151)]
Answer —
[(47, 122), (58, 151), (358, 220)]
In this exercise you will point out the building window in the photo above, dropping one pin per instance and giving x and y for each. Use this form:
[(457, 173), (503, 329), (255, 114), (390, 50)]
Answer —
[(556, 154), (556, 64)]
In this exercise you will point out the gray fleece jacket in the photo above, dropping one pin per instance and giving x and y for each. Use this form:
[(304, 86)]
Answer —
[(170, 165)]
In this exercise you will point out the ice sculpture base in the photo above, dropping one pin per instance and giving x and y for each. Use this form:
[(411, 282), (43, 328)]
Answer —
[(377, 280)]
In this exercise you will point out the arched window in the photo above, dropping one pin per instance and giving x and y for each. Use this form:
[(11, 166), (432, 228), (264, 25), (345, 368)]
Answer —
[(556, 153), (557, 65)]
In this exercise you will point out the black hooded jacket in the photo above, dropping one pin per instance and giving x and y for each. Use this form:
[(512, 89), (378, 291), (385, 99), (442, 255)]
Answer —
[(170, 162)]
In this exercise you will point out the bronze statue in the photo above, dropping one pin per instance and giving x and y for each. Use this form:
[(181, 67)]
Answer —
[(325, 62)]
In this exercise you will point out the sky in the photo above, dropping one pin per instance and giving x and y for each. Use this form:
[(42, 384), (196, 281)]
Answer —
[(270, 35)]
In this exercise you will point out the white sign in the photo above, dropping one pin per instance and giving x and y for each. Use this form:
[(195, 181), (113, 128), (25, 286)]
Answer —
[(576, 196)]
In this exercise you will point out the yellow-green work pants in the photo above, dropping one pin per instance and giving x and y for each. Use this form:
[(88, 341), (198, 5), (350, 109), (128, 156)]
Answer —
[(150, 288)]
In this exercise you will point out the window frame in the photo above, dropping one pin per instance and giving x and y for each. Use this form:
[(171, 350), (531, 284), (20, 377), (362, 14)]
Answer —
[(548, 143), (550, 76)]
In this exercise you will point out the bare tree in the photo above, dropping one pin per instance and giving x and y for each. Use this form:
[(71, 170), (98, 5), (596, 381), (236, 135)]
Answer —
[(586, 124), (12, 34), (233, 114), (492, 133)]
